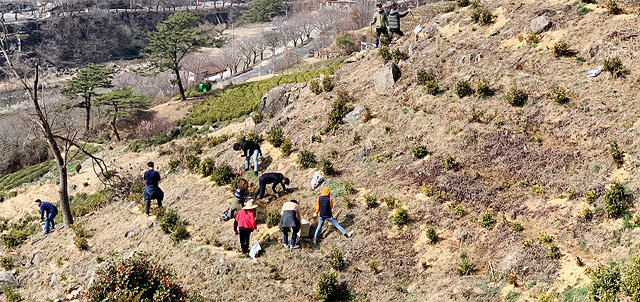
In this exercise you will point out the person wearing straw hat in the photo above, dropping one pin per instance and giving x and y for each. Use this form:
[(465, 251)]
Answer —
[(52, 211), (246, 219)]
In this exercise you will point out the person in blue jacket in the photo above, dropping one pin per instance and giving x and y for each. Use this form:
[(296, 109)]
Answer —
[(152, 190), (51, 212)]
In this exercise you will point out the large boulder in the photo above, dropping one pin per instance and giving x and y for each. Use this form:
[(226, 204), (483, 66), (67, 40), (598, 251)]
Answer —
[(385, 77), (275, 100), (354, 116), (540, 24), (8, 279)]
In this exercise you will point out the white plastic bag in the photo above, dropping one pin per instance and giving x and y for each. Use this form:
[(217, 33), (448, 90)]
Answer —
[(418, 29), (595, 72), (316, 180), (255, 249)]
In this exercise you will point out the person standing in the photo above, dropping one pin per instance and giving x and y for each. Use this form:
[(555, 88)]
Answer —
[(394, 20), (381, 21), (271, 178), (238, 203), (152, 190), (250, 150), (290, 221), (323, 209), (246, 219), (51, 212)]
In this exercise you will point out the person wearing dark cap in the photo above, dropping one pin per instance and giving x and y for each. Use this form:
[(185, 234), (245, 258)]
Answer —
[(271, 178), (152, 190), (381, 21), (250, 150), (51, 212), (394, 20)]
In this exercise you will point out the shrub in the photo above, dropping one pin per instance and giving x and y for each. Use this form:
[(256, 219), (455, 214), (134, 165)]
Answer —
[(463, 88), (286, 147), (561, 49), (207, 166), (223, 175), (345, 43), (449, 9), (215, 141), (532, 38), (399, 55), (328, 288), (327, 167), (516, 97), (135, 279), (459, 210), (316, 138), (559, 95), (605, 282), (482, 15), (432, 88), (6, 262), (306, 159), (335, 258), (10, 295), (385, 40), (486, 220), (581, 8), (373, 266), (180, 232), (390, 202), (483, 89), (431, 191), (423, 77), (613, 8), (616, 200), (275, 274), (590, 197), (249, 136), (81, 243), (465, 267), (587, 214), (173, 164), (517, 227), (20, 232), (385, 53), (314, 86), (545, 238), (400, 217), (554, 251), (463, 3), (272, 219), (614, 66), (168, 220), (348, 188), (275, 137), (192, 162), (419, 151), (327, 83), (432, 237), (450, 163), (371, 200), (339, 109), (616, 153), (78, 167), (631, 280)]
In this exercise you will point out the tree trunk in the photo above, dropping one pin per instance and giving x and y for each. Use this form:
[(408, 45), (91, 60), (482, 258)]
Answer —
[(180, 87), (87, 119), (115, 130)]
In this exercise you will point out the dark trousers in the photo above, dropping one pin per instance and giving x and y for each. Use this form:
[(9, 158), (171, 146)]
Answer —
[(381, 31), (396, 31), (152, 192), (245, 239), (294, 235)]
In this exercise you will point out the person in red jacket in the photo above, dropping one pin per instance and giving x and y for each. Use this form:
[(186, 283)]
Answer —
[(246, 219)]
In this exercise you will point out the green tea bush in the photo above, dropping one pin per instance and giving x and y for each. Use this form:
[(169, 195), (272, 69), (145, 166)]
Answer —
[(616, 200), (314, 86), (463, 3), (374, 266), (390, 202), (544, 238), (432, 88), (306, 159), (613, 65), (385, 54), (398, 55), (168, 220), (581, 8), (275, 137), (348, 188), (605, 282), (422, 77), (590, 197), (465, 267), (327, 83), (516, 97), (463, 88), (371, 200), (81, 243), (449, 9), (432, 192), (6, 262), (432, 236), (400, 217), (339, 109), (336, 259), (385, 40), (345, 43), (483, 89), (482, 15), (532, 38), (26, 175), (559, 95), (554, 251), (223, 175), (327, 167), (286, 147), (173, 164), (517, 227), (135, 279), (419, 151), (616, 153), (218, 140), (272, 219), (20, 231), (249, 136), (207, 166), (450, 163), (180, 232), (561, 49), (328, 288), (486, 220), (631, 279), (10, 295), (613, 8), (82, 204), (192, 162)]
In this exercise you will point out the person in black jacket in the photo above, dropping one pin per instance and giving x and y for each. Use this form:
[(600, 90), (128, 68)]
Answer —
[(394, 20), (250, 149), (152, 190), (271, 178)]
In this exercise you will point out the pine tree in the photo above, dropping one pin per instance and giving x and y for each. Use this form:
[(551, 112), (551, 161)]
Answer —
[(121, 103)]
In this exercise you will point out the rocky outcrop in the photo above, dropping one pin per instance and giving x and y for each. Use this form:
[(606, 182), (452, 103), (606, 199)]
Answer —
[(385, 77), (540, 24)]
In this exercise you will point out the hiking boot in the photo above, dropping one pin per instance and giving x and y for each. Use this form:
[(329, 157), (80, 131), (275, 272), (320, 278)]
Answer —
[(286, 246), (349, 235), (255, 173), (293, 247)]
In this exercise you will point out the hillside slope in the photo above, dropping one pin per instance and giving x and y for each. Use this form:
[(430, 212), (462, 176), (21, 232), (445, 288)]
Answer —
[(531, 166)]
